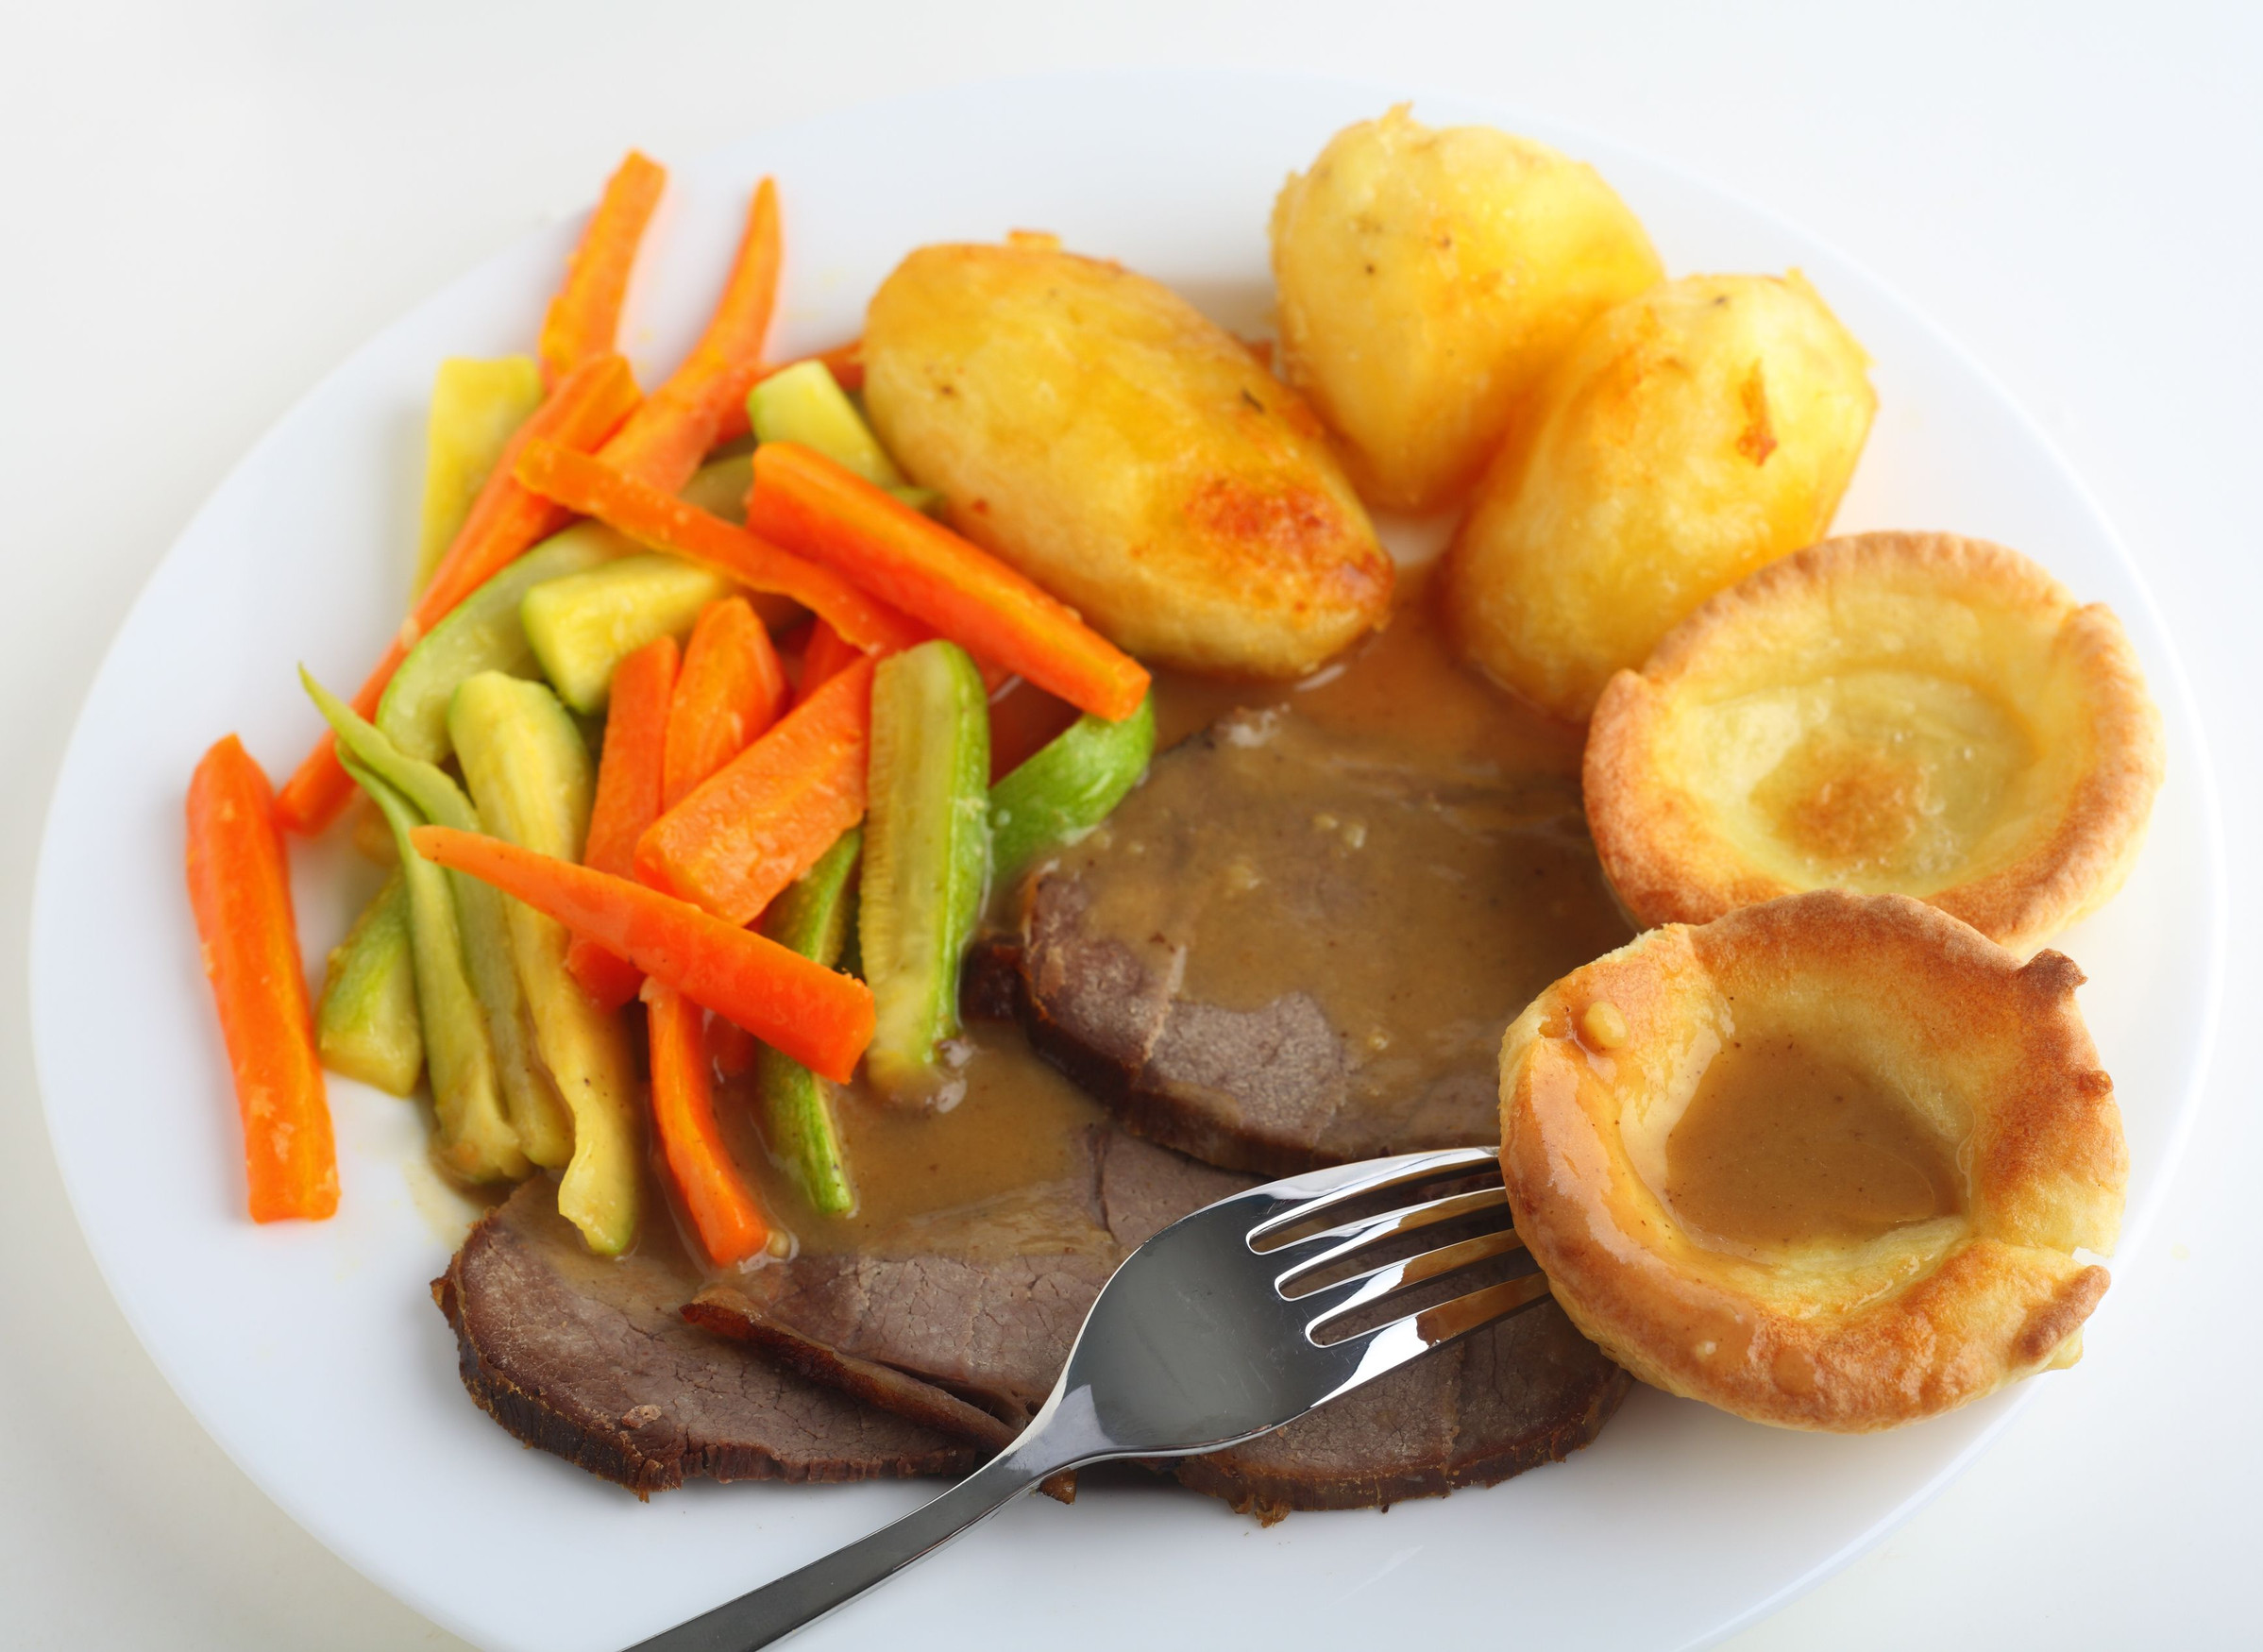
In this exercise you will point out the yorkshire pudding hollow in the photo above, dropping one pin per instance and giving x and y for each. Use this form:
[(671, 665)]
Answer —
[(1826, 1162), (1912, 714)]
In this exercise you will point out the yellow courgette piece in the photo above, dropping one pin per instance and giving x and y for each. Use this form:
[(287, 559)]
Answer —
[(367, 1027), (476, 406), (582, 626), (529, 774), (805, 404), (484, 634)]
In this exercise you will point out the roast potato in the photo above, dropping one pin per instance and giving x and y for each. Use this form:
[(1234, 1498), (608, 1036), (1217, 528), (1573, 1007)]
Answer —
[(1428, 279), (1690, 435), (1091, 428)]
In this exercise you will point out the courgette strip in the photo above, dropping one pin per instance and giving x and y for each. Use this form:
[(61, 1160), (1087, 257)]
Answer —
[(545, 1128), (477, 1141), (926, 856), (812, 919), (531, 775), (366, 1026), (1067, 787)]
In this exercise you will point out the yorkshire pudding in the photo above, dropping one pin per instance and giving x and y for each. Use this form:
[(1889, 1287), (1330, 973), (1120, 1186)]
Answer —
[(1890, 713), (1825, 1162)]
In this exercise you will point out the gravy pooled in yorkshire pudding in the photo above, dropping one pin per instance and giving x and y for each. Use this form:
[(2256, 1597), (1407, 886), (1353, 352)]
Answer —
[(1824, 1162), (1892, 713)]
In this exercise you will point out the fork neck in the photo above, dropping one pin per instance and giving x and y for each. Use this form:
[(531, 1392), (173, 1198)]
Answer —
[(1066, 1433)]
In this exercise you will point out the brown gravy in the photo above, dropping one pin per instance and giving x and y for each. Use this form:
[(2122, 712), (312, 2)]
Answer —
[(1004, 1149), (1782, 1147)]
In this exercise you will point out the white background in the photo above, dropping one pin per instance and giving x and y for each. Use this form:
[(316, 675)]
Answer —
[(207, 206)]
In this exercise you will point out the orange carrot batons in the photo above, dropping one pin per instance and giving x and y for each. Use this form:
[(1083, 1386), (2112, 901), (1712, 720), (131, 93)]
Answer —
[(630, 770), (731, 690), (506, 519), (730, 1047), (714, 1196), (664, 439), (628, 799), (816, 509), (826, 657), (652, 516), (239, 890), (737, 842), (584, 318), (819, 1016)]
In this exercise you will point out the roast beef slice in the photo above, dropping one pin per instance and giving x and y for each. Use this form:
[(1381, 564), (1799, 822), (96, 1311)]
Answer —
[(589, 1359), (972, 1341), (1467, 892)]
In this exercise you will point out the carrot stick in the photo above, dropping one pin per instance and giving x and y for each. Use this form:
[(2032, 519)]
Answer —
[(610, 979), (826, 657), (737, 842), (239, 890), (714, 1196), (846, 362), (731, 690), (822, 1018), (730, 1047), (652, 517), (506, 519), (628, 800), (664, 439), (816, 509), (585, 316)]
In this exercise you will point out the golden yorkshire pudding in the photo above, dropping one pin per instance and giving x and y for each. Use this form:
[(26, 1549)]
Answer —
[(1912, 714), (1824, 1162)]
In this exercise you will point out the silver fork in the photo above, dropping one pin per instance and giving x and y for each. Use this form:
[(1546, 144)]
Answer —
[(1219, 1328)]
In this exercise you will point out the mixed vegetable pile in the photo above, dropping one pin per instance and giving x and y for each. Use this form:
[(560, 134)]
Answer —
[(784, 843)]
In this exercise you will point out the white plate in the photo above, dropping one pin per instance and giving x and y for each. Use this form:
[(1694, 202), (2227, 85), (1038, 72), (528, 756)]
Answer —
[(313, 1352)]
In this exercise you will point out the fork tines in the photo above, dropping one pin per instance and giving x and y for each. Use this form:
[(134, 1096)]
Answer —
[(1401, 1243)]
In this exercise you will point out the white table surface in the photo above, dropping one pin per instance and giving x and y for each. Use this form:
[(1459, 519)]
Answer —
[(207, 206)]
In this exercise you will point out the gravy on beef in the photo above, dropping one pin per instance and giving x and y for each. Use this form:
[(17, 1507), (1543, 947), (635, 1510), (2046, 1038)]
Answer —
[(1393, 841)]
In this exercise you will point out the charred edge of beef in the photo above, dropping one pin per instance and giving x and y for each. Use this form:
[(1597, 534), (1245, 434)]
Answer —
[(611, 1455), (588, 1359)]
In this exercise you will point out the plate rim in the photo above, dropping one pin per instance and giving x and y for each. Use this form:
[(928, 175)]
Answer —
[(2174, 690)]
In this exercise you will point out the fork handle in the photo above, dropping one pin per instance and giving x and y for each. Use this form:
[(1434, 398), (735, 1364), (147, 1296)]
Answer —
[(778, 1608)]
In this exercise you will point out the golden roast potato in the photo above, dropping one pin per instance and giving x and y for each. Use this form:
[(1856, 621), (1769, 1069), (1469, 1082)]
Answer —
[(1691, 434), (1089, 427), (1428, 279)]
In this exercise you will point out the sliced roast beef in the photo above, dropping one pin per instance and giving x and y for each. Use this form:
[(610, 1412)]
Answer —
[(589, 1359), (966, 1307), (1289, 948), (968, 1333)]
